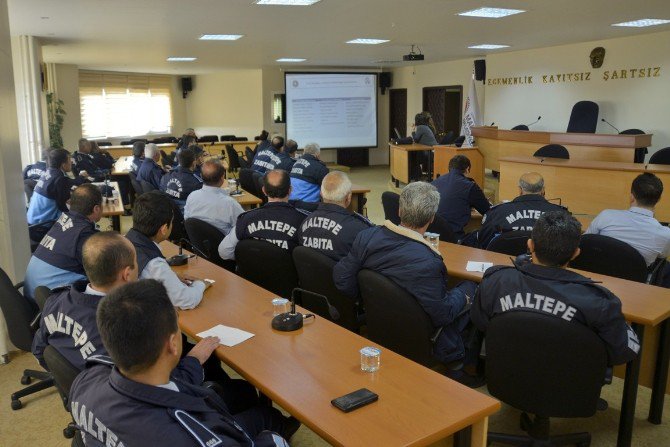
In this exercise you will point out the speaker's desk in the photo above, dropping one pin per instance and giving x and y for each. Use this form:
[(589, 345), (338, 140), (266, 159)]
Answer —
[(303, 371), (585, 187), (217, 147), (498, 143), (646, 307)]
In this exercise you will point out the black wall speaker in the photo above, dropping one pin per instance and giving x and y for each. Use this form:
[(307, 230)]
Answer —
[(480, 69), (385, 81), (186, 85)]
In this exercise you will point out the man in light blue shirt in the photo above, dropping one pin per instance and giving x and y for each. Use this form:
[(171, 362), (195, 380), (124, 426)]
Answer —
[(637, 226), (213, 204)]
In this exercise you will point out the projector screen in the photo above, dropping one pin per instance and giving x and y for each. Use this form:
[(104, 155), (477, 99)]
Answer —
[(334, 110)]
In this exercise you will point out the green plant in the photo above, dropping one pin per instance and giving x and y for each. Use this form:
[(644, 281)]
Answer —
[(56, 116)]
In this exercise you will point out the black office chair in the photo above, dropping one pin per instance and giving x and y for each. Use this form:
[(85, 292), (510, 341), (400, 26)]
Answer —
[(640, 152), (241, 139), (611, 257), (661, 157), (552, 151), (267, 266), (41, 294), (520, 127), (315, 273), (458, 142), (126, 143), (448, 138), (233, 158), (442, 227), (137, 186), (244, 164), (29, 188), (249, 154), (584, 117), (206, 239), (545, 366), (391, 204), (247, 181), (63, 373), (228, 138), (208, 139), (104, 143), (168, 160), (513, 243), (258, 178), (146, 186), (164, 140), (134, 140), (22, 317)]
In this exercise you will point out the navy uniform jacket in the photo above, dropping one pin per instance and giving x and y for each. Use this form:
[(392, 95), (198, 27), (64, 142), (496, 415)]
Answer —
[(408, 261), (87, 162), (266, 160), (34, 171), (113, 410), (519, 214), (149, 171), (51, 194), (103, 160), (285, 163), (179, 183), (136, 163), (331, 230), (306, 177), (145, 248), (561, 293), (275, 222), (458, 195)]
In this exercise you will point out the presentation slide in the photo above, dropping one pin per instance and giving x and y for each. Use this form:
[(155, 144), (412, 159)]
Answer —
[(334, 110)]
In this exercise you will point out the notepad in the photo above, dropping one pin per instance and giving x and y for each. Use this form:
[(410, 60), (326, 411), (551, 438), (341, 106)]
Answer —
[(476, 266), (228, 336)]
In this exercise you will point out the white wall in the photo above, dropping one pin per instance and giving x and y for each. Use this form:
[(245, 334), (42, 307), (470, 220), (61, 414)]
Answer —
[(67, 90)]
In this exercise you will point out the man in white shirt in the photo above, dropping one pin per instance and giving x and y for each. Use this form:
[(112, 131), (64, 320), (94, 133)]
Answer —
[(212, 203)]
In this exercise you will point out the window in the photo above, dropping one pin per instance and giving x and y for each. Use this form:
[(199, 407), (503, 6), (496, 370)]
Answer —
[(279, 108), (118, 105)]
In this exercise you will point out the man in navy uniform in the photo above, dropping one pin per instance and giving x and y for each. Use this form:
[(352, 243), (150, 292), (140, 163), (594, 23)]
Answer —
[(182, 181), (138, 156), (57, 260), (400, 253), (546, 287), (83, 160), (458, 195), (286, 156), (33, 172), (307, 174), (134, 399), (332, 228), (150, 171), (519, 214), (267, 159), (53, 189), (277, 221)]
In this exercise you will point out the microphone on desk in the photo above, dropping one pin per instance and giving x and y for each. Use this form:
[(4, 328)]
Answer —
[(610, 124), (535, 122), (492, 123), (179, 259), (289, 321)]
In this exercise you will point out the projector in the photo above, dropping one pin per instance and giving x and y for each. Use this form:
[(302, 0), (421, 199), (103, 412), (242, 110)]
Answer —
[(412, 57)]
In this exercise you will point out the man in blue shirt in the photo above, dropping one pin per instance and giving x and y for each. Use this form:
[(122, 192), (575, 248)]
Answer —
[(182, 181), (138, 156), (58, 259), (150, 171), (307, 174), (266, 159)]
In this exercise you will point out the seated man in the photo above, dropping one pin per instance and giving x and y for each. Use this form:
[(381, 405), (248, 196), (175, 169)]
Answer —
[(277, 221), (267, 159), (458, 195), (83, 160), (519, 214), (152, 224), (33, 172), (286, 156), (212, 203), (182, 181), (53, 189), (138, 401), (101, 157), (58, 259), (199, 153), (138, 156), (637, 226), (150, 171), (307, 174), (401, 254), (332, 228), (262, 142), (545, 286)]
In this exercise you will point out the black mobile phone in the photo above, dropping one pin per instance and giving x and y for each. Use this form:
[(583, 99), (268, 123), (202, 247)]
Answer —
[(357, 399)]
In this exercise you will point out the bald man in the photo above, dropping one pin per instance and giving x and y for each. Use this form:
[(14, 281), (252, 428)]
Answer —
[(212, 203), (519, 214)]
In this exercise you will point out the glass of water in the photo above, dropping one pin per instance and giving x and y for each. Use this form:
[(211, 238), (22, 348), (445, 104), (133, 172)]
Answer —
[(433, 239), (370, 359), (280, 306)]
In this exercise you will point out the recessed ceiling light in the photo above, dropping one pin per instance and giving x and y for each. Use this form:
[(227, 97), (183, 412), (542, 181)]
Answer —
[(642, 23), (290, 59), (491, 13), (181, 59), (221, 36), (488, 46), (44, 17), (286, 2), (364, 41)]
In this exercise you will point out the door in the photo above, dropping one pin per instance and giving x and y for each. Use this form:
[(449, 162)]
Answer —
[(397, 112), (444, 104)]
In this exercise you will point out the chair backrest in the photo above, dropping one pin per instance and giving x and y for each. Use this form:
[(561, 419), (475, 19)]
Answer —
[(544, 365), (205, 237), (126, 143), (661, 157), (632, 132), (137, 186), (247, 181), (395, 319), (227, 137), (244, 164), (146, 186), (315, 273), (513, 243), (19, 312), (104, 143), (62, 371), (233, 158), (208, 139), (609, 256), (458, 142), (250, 154), (391, 204), (41, 294), (442, 227), (448, 138), (520, 127), (258, 178), (584, 117), (267, 266), (552, 151), (167, 160), (640, 152), (241, 139)]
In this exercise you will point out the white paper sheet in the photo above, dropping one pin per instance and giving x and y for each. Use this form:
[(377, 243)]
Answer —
[(228, 336), (476, 266)]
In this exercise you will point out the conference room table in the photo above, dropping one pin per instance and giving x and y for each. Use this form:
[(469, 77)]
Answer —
[(643, 306), (217, 147), (302, 371), (112, 207)]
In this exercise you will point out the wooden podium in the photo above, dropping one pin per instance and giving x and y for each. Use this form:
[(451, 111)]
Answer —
[(442, 155)]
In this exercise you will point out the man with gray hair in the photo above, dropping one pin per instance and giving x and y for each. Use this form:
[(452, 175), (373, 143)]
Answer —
[(519, 214), (332, 228), (150, 171), (307, 174), (400, 253)]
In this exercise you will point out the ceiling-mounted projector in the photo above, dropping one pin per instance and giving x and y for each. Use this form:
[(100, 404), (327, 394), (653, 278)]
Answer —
[(413, 55)]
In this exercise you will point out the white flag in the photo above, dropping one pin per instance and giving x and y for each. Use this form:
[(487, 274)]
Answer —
[(471, 115)]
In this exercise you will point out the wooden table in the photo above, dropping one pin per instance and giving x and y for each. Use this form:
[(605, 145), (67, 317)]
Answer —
[(498, 143), (113, 207), (303, 371), (357, 195), (643, 305), (119, 151), (400, 159)]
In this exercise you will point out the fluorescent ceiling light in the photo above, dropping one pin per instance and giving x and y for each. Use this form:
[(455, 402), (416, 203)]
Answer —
[(368, 41), (221, 36), (488, 46), (181, 59), (491, 13), (290, 59), (287, 2), (642, 23)]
